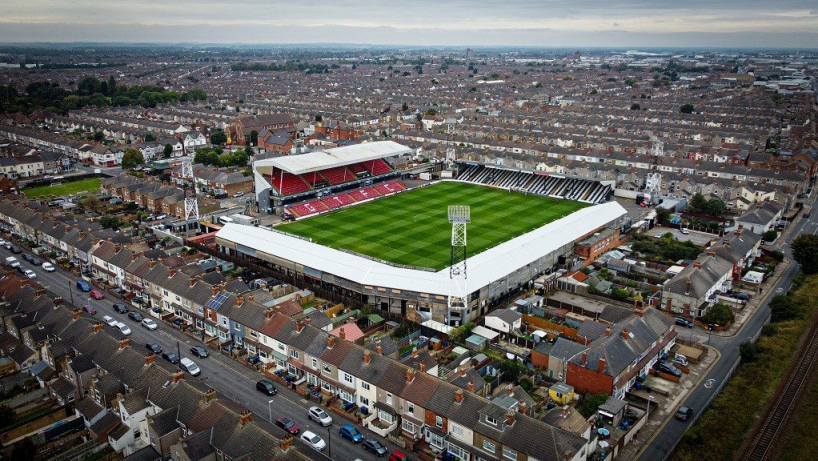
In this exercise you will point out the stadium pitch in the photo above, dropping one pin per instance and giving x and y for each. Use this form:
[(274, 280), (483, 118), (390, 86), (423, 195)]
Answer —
[(412, 228)]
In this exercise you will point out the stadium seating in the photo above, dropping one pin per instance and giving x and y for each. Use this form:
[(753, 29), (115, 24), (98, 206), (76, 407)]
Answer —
[(356, 168), (338, 175), (308, 208), (291, 184), (378, 167), (337, 201), (390, 187), (364, 194), (312, 178)]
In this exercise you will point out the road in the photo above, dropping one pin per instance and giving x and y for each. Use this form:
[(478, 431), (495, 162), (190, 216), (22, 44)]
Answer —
[(221, 373), (702, 396)]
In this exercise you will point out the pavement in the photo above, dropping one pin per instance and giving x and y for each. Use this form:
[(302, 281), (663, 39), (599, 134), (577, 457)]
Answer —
[(748, 326), (228, 377)]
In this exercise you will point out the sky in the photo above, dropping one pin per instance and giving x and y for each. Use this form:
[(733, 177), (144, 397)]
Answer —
[(608, 23)]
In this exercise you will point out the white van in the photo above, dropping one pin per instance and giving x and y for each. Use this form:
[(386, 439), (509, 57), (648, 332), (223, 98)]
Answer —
[(225, 220)]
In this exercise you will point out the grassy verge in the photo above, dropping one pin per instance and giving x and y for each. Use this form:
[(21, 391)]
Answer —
[(723, 427), (804, 427), (84, 185)]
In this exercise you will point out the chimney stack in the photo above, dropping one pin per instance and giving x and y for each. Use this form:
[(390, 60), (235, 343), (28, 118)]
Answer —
[(410, 375), (510, 417), (150, 357), (422, 367), (269, 312), (470, 386), (284, 443), (171, 273), (98, 327), (687, 287), (134, 255), (330, 341), (214, 290), (463, 370), (367, 356), (58, 302), (76, 314), (378, 349), (299, 325), (152, 264), (712, 252), (176, 377), (192, 281), (250, 297), (458, 395), (342, 334), (415, 352), (223, 286), (608, 331), (210, 396), (625, 333), (246, 417), (601, 367), (521, 406), (124, 342), (697, 265), (510, 389), (307, 320), (584, 358), (239, 300)]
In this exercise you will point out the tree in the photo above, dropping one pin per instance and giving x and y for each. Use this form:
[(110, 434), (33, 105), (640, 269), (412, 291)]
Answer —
[(218, 138), (511, 370), (111, 85), (687, 109), (635, 106), (769, 236), (715, 207), (253, 138), (805, 251), (783, 308), (748, 351), (99, 136), (319, 118), (630, 81), (167, 150), (109, 222), (590, 404), (404, 107), (90, 203), (698, 203), (132, 158), (149, 137), (662, 215), (719, 314)]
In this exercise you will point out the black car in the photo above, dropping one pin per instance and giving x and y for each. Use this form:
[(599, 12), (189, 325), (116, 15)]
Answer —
[(669, 369), (36, 261), (684, 322), (375, 447), (199, 351), (120, 308), (171, 357), (135, 316), (153, 347), (15, 249), (27, 257), (266, 387), (21, 269), (684, 413)]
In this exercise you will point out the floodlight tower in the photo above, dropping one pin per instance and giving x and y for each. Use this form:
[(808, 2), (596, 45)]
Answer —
[(459, 216), (191, 203)]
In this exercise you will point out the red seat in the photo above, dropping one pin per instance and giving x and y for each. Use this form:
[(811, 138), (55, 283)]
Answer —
[(379, 167), (338, 175), (308, 208), (291, 184)]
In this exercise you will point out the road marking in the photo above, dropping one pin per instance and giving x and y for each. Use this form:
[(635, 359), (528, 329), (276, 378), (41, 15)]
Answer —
[(709, 383)]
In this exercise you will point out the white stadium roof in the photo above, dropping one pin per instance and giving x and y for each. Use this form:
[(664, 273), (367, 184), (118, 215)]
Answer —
[(339, 156), (483, 268)]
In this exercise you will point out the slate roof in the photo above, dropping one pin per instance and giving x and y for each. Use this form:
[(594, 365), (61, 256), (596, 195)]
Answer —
[(702, 279)]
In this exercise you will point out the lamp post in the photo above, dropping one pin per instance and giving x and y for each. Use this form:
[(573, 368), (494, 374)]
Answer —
[(71, 290), (270, 408), (329, 441), (650, 399)]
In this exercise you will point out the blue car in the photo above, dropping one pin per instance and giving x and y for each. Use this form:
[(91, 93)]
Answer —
[(83, 285), (348, 432)]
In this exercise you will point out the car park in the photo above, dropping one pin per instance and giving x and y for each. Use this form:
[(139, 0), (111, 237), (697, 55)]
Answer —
[(48, 267), (375, 447), (90, 309), (109, 320), (170, 357), (320, 416), (190, 366), (135, 316), (149, 324), (266, 387), (199, 351), (153, 347), (124, 329), (120, 308), (313, 440), (684, 413), (96, 294), (349, 432), (684, 322), (30, 274), (288, 425), (82, 285)]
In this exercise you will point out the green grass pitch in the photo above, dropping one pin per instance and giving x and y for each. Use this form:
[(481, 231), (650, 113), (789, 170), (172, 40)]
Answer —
[(413, 227)]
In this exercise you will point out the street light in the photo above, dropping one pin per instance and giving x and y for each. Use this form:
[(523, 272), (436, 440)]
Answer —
[(270, 407), (650, 399), (329, 441), (71, 290)]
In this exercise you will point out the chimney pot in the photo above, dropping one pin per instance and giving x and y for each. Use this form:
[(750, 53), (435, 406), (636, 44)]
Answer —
[(330, 341), (98, 327), (150, 358), (601, 367), (422, 366), (378, 349), (607, 332), (284, 443), (192, 281), (299, 325), (625, 333), (214, 290), (76, 314), (367, 356), (470, 386), (458, 395), (124, 342), (239, 300), (246, 417), (410, 375), (584, 358), (342, 334), (176, 377), (521, 406), (510, 417)]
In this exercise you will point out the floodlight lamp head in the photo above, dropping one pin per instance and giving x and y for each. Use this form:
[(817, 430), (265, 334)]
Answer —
[(459, 213)]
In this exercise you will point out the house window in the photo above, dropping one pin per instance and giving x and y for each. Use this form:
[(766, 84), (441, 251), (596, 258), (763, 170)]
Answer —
[(491, 420), (458, 453), (280, 347), (315, 364), (363, 400), (326, 369), (70, 398), (408, 426), (327, 386), (456, 430), (253, 334), (385, 417), (435, 440), (508, 454), (388, 398), (346, 396), (294, 354), (410, 407), (439, 422), (365, 386), (262, 354), (348, 378), (489, 447)]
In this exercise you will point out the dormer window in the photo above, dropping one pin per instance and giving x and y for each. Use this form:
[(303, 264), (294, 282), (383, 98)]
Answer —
[(490, 420)]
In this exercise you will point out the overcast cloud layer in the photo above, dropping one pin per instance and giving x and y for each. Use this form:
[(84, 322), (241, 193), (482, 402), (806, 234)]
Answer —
[(746, 23)]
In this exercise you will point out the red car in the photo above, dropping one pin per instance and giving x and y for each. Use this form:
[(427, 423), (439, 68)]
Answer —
[(96, 294), (288, 425)]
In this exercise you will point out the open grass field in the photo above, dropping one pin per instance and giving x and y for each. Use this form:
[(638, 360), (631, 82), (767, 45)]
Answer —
[(412, 228), (84, 185)]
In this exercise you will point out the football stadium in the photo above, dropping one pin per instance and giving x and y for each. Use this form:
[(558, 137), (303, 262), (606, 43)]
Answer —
[(363, 234)]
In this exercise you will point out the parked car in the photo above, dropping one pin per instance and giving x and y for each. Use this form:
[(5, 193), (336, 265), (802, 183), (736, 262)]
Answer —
[(48, 267), (684, 322), (375, 447), (21, 269), (7, 245), (171, 357), (135, 316), (149, 324), (27, 257), (155, 348), (120, 308), (238, 194), (15, 249), (313, 440), (288, 425), (30, 274), (90, 309), (124, 329), (684, 230), (82, 285), (669, 369), (684, 413), (266, 387), (190, 366), (199, 351), (349, 432), (109, 320), (320, 416), (36, 261), (740, 296), (680, 359), (96, 294), (398, 455), (11, 261)]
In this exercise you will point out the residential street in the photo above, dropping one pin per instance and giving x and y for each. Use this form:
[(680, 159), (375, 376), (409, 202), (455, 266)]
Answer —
[(701, 397), (223, 374)]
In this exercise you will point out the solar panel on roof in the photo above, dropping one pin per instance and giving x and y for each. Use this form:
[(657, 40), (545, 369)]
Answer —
[(216, 303)]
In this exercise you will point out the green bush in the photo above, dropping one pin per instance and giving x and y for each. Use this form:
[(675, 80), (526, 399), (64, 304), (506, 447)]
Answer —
[(720, 314), (590, 403), (783, 308), (748, 351)]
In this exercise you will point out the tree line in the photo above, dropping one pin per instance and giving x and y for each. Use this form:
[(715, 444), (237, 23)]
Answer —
[(288, 66)]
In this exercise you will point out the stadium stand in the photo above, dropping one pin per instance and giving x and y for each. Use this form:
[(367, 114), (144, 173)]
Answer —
[(308, 208), (378, 167), (290, 184), (390, 187), (580, 189), (312, 207), (338, 201), (338, 175), (364, 194)]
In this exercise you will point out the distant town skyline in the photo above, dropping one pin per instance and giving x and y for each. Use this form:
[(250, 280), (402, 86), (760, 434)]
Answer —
[(694, 23)]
